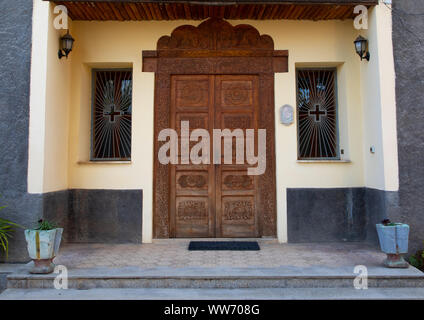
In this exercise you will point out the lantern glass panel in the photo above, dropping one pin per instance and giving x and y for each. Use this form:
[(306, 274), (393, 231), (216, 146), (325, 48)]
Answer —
[(67, 44), (363, 46), (358, 46)]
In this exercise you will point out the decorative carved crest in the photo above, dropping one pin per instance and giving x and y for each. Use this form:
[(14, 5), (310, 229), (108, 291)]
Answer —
[(212, 39), (215, 34)]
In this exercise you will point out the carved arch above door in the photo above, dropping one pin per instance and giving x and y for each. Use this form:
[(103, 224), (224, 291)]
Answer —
[(215, 47), (216, 38), (215, 34)]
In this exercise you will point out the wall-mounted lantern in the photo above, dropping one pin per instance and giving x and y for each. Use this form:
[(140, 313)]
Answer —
[(361, 45), (66, 44)]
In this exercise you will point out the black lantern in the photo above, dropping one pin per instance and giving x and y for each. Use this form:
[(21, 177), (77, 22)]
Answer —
[(66, 43), (361, 48)]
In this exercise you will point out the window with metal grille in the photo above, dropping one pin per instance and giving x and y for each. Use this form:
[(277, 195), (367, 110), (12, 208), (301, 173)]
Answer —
[(317, 114), (111, 114)]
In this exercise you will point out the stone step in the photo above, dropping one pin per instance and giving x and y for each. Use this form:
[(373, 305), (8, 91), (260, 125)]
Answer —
[(216, 294), (221, 277)]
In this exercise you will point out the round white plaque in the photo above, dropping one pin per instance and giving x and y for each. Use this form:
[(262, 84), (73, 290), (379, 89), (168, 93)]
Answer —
[(286, 114)]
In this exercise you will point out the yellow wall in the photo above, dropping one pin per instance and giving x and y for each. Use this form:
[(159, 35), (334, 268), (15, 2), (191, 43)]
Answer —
[(37, 100), (49, 105), (119, 44), (57, 113), (379, 103)]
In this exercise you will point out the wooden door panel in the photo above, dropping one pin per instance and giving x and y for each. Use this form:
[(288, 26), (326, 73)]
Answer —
[(236, 105), (192, 190), (236, 203), (236, 93), (238, 216), (214, 200), (191, 181), (193, 216), (237, 180), (240, 120), (191, 93), (232, 121), (196, 120)]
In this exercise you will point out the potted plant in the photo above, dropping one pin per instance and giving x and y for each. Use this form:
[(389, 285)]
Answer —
[(43, 245), (393, 239)]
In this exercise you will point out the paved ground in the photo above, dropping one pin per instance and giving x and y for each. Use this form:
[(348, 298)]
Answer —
[(174, 253), (216, 294), (171, 258)]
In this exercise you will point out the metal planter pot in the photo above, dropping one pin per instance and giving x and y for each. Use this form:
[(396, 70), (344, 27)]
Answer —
[(42, 248), (394, 242)]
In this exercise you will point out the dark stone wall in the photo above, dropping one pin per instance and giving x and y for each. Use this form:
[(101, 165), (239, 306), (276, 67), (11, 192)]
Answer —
[(408, 42), (15, 58), (324, 215), (379, 205), (336, 214), (96, 216), (56, 208)]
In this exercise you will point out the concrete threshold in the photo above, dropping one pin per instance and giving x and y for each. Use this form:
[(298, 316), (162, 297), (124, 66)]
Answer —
[(217, 294), (221, 277)]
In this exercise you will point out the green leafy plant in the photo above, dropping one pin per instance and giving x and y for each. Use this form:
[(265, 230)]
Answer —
[(388, 223), (417, 260), (44, 225), (6, 229)]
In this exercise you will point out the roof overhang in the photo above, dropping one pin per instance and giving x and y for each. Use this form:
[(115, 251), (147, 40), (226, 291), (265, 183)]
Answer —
[(125, 10)]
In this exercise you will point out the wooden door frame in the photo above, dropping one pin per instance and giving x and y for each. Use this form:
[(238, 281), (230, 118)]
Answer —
[(215, 47)]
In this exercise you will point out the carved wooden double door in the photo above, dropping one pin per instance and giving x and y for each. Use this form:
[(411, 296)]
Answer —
[(214, 200)]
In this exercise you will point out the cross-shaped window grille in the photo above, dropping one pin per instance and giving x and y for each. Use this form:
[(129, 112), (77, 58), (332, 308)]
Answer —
[(112, 111), (317, 114)]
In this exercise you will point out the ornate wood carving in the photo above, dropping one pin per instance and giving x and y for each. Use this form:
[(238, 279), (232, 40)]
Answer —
[(192, 181), (237, 121), (233, 181), (236, 93), (238, 209), (214, 34), (216, 38), (196, 121), (216, 47), (192, 94), (189, 210)]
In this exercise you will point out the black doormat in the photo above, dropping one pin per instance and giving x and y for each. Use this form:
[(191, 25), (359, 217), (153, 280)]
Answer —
[(224, 245)]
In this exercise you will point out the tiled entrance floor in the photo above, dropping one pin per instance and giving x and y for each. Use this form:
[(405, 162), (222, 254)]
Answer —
[(174, 253), (169, 264)]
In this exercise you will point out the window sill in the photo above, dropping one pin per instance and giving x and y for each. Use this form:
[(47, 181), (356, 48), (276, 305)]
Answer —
[(105, 162), (323, 161)]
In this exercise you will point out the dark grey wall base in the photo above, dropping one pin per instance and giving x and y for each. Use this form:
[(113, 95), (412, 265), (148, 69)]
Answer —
[(408, 30), (326, 215), (15, 57), (379, 205), (87, 216), (96, 216), (56, 208), (339, 214)]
